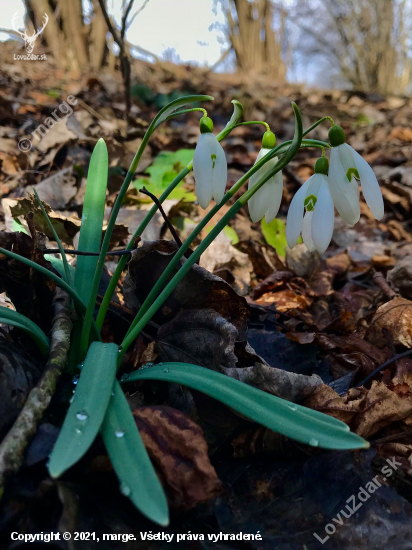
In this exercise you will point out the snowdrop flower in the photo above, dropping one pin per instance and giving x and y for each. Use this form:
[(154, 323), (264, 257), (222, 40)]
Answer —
[(266, 201), (346, 165), (316, 225), (209, 166)]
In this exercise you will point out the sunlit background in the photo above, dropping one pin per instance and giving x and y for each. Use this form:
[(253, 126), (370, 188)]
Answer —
[(360, 44)]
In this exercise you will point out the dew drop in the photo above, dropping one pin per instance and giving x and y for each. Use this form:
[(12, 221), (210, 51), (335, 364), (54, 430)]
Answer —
[(165, 370), (125, 490), (82, 416), (119, 433), (80, 366), (147, 366), (124, 377), (75, 379), (314, 442), (292, 407), (112, 393), (78, 430), (71, 399)]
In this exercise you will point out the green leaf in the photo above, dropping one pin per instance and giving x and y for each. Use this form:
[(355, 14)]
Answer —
[(88, 408), (231, 234), (18, 227), (163, 171), (13, 318), (138, 479), (294, 421), (275, 235), (92, 221)]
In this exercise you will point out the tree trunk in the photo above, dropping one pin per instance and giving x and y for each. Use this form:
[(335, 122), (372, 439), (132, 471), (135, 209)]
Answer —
[(251, 33)]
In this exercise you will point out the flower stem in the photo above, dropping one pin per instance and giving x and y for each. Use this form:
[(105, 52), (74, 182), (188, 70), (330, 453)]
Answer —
[(254, 122), (146, 311)]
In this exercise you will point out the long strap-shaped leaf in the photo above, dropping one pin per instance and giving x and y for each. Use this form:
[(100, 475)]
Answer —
[(138, 479), (16, 319), (294, 421), (90, 237), (88, 408)]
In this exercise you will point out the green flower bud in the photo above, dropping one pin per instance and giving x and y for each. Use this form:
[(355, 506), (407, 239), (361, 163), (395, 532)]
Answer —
[(206, 125), (336, 136), (269, 140), (322, 166)]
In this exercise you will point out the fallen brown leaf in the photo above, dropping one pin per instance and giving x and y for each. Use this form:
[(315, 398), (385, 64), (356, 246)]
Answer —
[(396, 317), (178, 449)]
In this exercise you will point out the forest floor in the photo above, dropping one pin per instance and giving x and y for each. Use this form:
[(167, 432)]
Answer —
[(318, 326)]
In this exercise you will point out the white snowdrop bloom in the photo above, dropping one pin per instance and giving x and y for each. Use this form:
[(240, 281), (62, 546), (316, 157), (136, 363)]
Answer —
[(266, 201), (209, 166), (316, 225), (346, 165)]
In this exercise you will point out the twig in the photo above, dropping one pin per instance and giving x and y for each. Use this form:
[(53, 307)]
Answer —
[(381, 282), (16, 441), (163, 213), (124, 18), (123, 56), (389, 362), (393, 437), (81, 253)]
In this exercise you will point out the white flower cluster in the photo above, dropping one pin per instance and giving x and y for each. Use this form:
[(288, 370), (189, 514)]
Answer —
[(312, 209)]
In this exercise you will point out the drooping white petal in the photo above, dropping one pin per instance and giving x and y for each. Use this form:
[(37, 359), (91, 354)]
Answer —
[(276, 192), (344, 194), (258, 204), (307, 231), (219, 173), (370, 186), (323, 217), (210, 169), (295, 215)]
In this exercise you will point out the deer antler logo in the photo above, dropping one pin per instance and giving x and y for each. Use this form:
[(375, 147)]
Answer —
[(29, 40)]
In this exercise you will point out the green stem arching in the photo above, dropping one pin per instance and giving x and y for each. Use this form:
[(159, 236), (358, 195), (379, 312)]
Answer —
[(176, 258), (123, 260), (159, 118), (158, 302)]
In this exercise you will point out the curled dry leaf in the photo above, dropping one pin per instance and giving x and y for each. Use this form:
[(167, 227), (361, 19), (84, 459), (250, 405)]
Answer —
[(366, 411), (201, 337), (275, 280), (179, 451), (396, 317), (285, 300)]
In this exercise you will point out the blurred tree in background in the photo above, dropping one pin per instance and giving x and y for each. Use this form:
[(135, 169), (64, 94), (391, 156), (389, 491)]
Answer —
[(252, 36), (76, 37), (366, 40)]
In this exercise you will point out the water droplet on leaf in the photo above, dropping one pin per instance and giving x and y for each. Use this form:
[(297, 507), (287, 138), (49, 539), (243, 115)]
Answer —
[(82, 416), (292, 407), (314, 442), (75, 379), (124, 377), (125, 490), (119, 433)]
